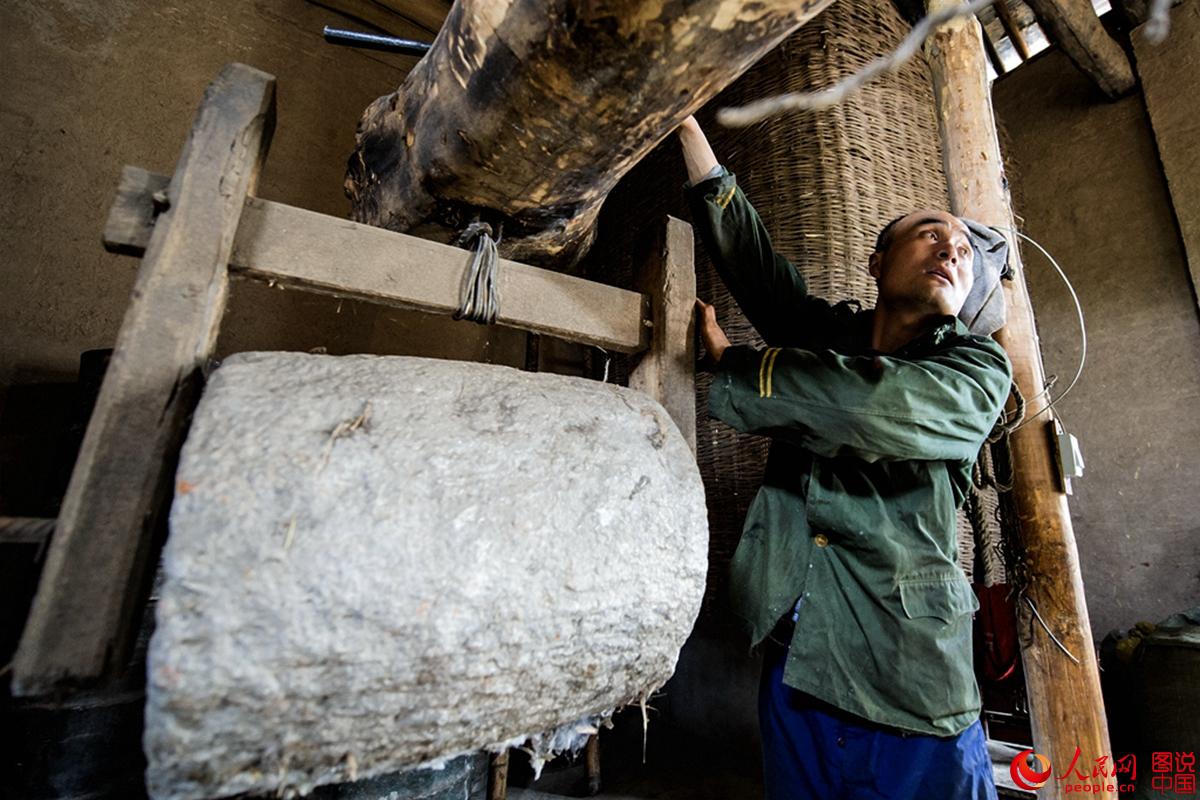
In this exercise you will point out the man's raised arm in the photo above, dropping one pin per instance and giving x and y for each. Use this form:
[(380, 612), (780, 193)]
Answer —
[(770, 291), (698, 155)]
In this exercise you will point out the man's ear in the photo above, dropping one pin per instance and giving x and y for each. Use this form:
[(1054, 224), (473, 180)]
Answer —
[(874, 263)]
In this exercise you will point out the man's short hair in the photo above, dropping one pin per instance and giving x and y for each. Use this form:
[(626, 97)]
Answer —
[(884, 240)]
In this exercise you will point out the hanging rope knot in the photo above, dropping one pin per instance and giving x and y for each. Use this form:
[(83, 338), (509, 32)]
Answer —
[(479, 299)]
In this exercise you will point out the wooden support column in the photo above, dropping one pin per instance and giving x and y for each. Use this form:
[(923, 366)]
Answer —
[(1073, 24), (79, 627), (498, 777), (1066, 705), (592, 760), (667, 371)]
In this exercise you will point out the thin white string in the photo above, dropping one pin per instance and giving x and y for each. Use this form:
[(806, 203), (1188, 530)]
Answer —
[(1046, 627), (1082, 332)]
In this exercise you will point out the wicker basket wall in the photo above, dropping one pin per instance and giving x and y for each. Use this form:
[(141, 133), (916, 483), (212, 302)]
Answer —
[(824, 183)]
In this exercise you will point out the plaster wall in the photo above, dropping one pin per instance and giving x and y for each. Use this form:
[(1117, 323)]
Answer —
[(90, 87), (1090, 188)]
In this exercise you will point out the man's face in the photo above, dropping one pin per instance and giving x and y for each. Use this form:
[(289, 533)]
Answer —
[(927, 265)]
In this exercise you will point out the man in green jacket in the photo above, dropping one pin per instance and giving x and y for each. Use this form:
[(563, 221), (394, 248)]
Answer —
[(847, 571)]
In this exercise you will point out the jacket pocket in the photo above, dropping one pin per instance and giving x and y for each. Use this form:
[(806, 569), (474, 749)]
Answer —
[(945, 597)]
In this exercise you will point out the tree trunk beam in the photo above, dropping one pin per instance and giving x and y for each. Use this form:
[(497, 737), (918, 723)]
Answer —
[(1075, 26), (527, 113)]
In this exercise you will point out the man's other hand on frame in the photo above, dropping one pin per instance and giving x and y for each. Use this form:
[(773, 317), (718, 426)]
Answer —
[(714, 339)]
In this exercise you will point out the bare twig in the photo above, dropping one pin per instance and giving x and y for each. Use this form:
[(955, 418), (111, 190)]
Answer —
[(831, 96), (345, 428)]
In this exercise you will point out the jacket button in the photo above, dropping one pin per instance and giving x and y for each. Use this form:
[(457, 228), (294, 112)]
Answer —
[(821, 539)]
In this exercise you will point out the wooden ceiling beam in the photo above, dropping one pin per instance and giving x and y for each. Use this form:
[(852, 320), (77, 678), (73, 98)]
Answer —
[(1073, 24), (1011, 29)]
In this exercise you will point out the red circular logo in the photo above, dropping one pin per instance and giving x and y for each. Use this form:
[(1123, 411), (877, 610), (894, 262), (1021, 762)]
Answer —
[(1023, 773)]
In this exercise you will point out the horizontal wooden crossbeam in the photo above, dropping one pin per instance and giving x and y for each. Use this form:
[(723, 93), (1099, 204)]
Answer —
[(325, 254)]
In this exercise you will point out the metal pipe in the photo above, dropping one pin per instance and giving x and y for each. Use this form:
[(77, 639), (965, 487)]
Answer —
[(25, 530), (375, 41)]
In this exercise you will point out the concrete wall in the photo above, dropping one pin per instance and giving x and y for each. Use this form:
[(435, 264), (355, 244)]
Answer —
[(1091, 189), (89, 87)]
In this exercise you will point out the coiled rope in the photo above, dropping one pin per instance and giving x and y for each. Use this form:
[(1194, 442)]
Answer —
[(479, 298)]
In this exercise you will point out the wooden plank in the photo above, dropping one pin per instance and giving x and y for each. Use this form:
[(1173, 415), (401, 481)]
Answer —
[(1073, 24), (667, 371), (78, 630), (1065, 704), (321, 253)]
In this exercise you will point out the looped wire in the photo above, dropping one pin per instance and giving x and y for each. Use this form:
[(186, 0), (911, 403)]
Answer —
[(479, 298)]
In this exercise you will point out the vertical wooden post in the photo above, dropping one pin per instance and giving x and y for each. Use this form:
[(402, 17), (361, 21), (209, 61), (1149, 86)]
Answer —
[(1066, 705), (592, 756), (667, 370), (80, 625), (498, 777)]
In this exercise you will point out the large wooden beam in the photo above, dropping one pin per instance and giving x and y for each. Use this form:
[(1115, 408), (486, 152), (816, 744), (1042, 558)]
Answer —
[(1066, 705), (78, 629), (1073, 24), (528, 112), (315, 252)]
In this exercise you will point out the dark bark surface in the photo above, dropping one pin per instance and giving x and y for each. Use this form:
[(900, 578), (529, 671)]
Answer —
[(525, 114)]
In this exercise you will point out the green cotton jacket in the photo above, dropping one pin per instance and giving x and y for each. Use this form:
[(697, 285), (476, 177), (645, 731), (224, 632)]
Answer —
[(853, 531)]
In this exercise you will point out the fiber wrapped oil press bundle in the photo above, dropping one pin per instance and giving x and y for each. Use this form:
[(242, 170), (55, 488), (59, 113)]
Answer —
[(381, 562)]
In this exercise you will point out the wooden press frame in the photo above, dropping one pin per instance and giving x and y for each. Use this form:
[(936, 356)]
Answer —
[(192, 231)]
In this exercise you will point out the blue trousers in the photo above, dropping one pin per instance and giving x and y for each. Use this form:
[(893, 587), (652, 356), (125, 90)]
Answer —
[(813, 751)]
